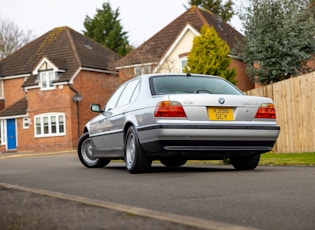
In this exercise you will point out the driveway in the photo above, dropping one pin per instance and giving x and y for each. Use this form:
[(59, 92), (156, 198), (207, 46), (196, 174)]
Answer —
[(211, 195)]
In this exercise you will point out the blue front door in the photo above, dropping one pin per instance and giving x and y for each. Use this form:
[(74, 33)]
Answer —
[(11, 134)]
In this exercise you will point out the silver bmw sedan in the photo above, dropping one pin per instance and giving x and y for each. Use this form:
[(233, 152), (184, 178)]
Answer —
[(178, 117)]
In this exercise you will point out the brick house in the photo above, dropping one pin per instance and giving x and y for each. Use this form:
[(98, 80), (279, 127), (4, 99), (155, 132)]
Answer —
[(46, 88), (167, 50)]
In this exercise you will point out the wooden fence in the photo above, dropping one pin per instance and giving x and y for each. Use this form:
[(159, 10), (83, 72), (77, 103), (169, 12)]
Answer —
[(295, 110)]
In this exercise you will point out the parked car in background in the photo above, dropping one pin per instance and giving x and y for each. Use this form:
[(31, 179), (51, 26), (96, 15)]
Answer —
[(178, 117)]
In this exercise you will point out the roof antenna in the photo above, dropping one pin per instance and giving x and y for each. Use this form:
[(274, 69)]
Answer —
[(188, 74)]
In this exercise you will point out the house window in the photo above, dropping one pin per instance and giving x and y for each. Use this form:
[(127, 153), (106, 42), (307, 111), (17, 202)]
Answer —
[(46, 79), (142, 70), (183, 62), (2, 132), (52, 124)]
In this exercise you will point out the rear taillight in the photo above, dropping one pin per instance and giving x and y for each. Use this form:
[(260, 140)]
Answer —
[(169, 109), (266, 111)]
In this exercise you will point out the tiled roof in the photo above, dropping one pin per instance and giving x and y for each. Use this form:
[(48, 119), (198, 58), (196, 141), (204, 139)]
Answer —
[(18, 108), (156, 47), (66, 48)]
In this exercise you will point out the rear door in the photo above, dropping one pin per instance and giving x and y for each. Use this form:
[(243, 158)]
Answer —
[(116, 118), (99, 128)]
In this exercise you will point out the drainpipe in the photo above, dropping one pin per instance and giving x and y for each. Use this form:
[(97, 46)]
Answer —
[(77, 98)]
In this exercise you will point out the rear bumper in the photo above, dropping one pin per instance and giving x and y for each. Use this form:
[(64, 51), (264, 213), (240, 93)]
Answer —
[(207, 142)]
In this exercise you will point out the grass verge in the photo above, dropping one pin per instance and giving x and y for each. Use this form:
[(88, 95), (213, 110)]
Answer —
[(284, 159), (307, 159)]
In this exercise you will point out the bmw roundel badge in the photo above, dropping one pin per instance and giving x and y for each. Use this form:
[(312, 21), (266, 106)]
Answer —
[(221, 100)]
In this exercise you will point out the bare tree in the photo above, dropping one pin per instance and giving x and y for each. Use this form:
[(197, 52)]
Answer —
[(12, 37)]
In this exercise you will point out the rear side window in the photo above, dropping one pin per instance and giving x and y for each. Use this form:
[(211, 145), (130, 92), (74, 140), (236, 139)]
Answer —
[(111, 104), (135, 93), (192, 84), (126, 95)]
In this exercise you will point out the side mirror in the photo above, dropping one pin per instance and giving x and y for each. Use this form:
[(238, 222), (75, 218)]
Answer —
[(96, 108)]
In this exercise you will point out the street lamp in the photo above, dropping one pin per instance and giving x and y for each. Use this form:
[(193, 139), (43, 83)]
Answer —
[(77, 98)]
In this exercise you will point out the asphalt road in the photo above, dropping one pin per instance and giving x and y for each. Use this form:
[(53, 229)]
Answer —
[(193, 196)]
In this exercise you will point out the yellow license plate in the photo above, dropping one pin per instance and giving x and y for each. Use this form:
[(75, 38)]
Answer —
[(220, 113)]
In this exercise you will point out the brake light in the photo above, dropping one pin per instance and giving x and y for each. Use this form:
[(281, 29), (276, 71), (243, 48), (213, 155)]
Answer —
[(266, 111), (169, 109)]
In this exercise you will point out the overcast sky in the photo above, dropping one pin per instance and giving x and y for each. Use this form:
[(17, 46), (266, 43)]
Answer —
[(140, 18)]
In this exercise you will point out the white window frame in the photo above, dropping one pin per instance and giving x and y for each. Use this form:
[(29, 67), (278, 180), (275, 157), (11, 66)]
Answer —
[(26, 122), (46, 79), (181, 63), (50, 125), (3, 132)]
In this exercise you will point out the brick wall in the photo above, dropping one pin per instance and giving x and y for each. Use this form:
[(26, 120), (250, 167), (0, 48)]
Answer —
[(13, 91), (242, 80), (39, 102), (94, 88)]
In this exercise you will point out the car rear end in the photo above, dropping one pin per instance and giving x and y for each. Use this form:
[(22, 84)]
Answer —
[(200, 119)]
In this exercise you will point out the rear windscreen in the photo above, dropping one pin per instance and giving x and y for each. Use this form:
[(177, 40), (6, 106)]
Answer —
[(191, 84)]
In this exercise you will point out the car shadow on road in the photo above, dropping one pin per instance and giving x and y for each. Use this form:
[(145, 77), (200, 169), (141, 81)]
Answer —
[(189, 169), (159, 168)]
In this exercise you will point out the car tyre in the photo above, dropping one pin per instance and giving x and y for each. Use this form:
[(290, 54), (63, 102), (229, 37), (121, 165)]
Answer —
[(172, 163), (85, 153), (245, 162), (135, 158)]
